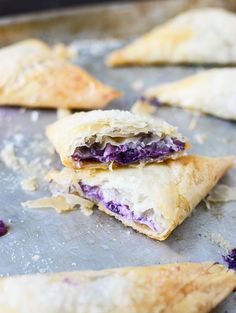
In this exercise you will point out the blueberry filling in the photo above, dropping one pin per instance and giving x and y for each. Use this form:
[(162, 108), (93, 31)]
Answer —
[(144, 148), (95, 193), (3, 228), (231, 259)]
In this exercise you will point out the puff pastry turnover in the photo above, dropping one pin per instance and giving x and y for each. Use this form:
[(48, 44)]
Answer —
[(170, 288), (99, 138), (33, 75), (196, 36), (153, 199), (212, 92)]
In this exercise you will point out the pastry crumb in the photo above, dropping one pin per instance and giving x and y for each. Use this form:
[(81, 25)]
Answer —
[(61, 203), (65, 52), (61, 113), (200, 138), (193, 123), (58, 203), (10, 159), (222, 193), (34, 116), (218, 239), (143, 108), (207, 203), (51, 174), (29, 184), (137, 85), (35, 257), (86, 211)]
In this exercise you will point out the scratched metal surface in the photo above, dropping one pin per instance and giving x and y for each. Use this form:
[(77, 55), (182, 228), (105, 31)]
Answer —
[(44, 241)]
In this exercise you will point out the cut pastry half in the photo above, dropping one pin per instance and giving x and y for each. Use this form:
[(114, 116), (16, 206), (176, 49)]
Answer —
[(34, 75), (195, 36), (99, 138), (153, 199), (170, 288), (212, 92)]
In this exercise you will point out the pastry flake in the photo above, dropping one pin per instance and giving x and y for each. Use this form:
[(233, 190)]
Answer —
[(34, 75), (153, 199), (222, 193), (61, 203), (211, 92), (175, 288), (99, 138), (195, 36)]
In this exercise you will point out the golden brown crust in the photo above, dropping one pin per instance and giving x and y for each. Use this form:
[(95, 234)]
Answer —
[(171, 190), (212, 92), (100, 126), (199, 176), (175, 288), (33, 75), (184, 39)]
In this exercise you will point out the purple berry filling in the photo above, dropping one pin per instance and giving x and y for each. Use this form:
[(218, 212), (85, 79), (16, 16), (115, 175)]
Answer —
[(152, 100), (69, 281), (3, 228), (95, 193), (145, 148), (231, 259)]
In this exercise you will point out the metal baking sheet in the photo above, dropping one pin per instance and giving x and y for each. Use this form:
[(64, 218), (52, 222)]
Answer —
[(41, 240)]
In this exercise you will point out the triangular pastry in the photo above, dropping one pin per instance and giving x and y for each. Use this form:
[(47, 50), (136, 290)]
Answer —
[(153, 199), (97, 139), (212, 92), (170, 288), (197, 36), (33, 75)]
